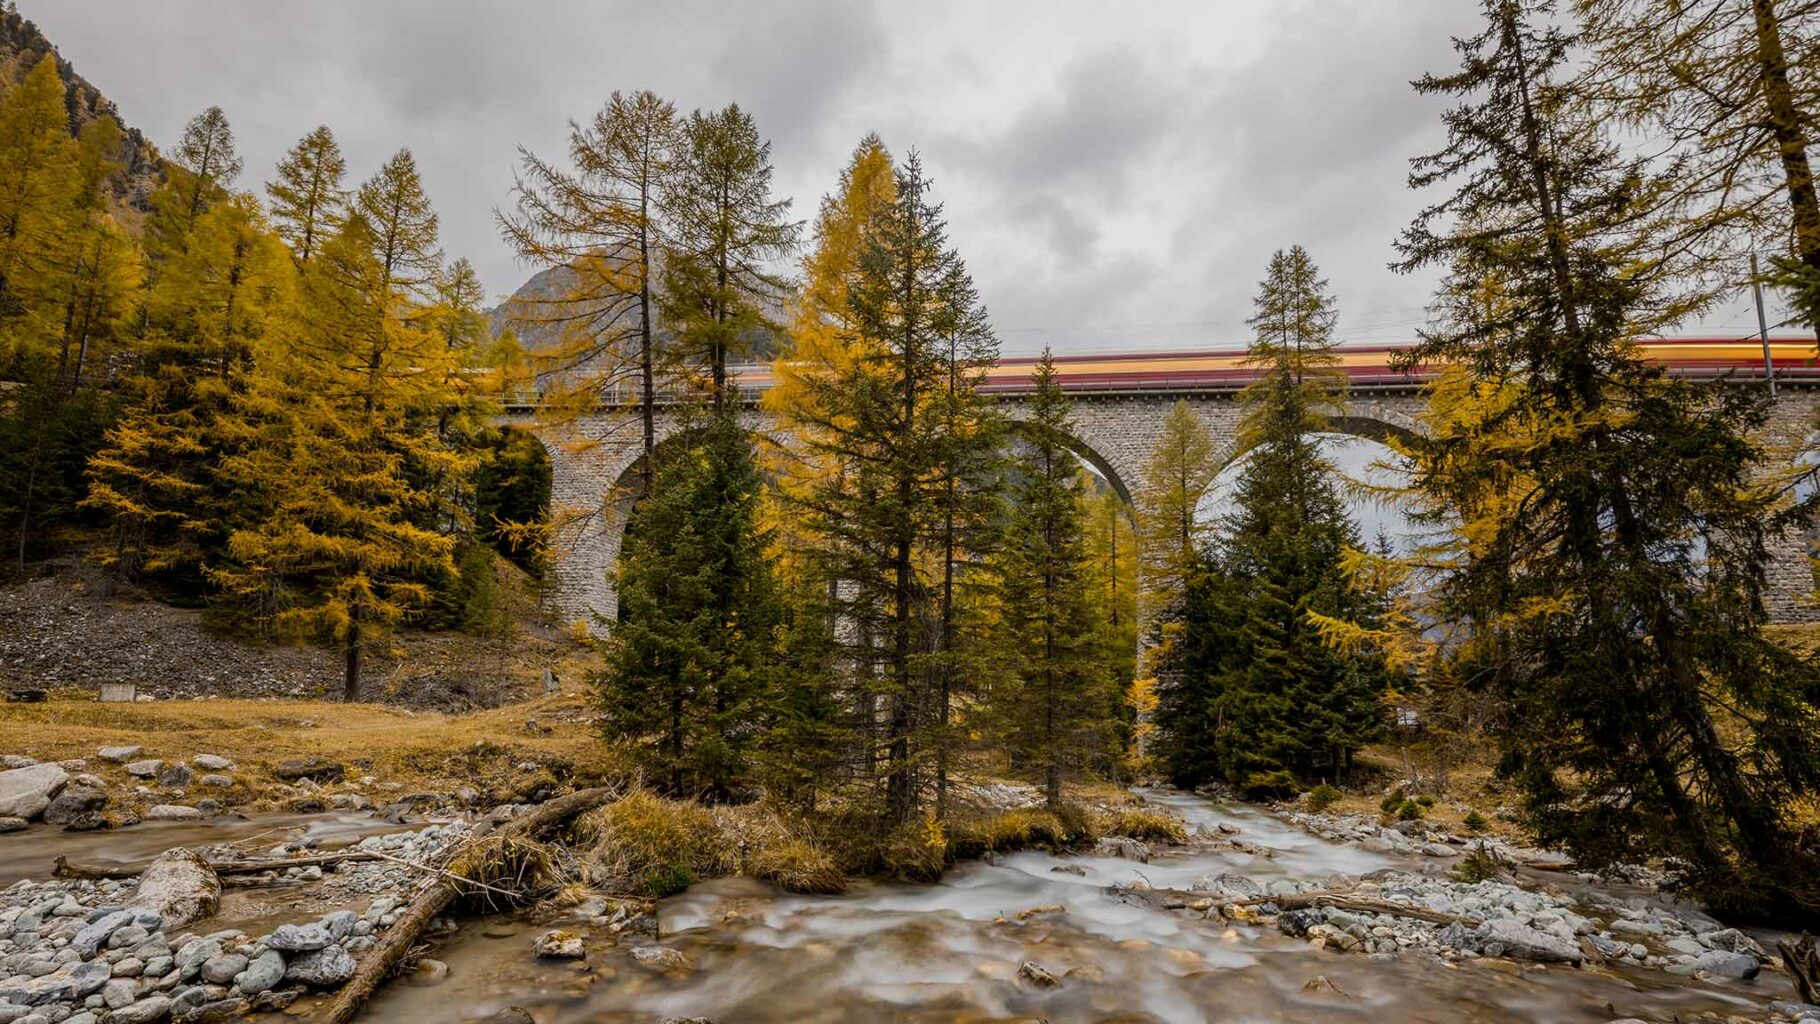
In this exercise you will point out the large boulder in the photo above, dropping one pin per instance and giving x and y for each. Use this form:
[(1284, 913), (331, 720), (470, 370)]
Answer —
[(26, 792), (317, 769), (1512, 938), (323, 968), (180, 887), (74, 802)]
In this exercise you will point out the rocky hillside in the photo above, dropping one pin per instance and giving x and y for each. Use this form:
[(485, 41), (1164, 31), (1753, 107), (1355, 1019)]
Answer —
[(22, 46)]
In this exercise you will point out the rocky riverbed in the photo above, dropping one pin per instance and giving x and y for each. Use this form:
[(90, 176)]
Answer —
[(1260, 916)]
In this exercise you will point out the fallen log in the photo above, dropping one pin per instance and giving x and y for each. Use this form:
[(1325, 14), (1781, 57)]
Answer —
[(62, 868), (398, 940)]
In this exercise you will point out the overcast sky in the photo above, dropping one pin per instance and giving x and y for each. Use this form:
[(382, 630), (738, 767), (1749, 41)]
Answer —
[(1115, 175)]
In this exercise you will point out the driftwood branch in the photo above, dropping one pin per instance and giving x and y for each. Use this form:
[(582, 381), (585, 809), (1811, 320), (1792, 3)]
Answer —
[(398, 940), (1802, 961), (62, 868)]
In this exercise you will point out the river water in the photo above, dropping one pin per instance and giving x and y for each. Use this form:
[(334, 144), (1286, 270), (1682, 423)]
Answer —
[(920, 954)]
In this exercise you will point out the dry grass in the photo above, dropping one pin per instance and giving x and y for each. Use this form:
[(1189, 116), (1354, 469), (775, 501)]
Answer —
[(418, 750), (1023, 829), (647, 845), (794, 865), (1146, 825), (508, 870)]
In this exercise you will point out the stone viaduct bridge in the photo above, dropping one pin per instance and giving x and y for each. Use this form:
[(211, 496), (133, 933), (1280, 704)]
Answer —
[(1119, 402)]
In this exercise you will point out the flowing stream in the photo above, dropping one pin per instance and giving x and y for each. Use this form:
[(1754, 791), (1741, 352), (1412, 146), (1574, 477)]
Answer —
[(950, 952)]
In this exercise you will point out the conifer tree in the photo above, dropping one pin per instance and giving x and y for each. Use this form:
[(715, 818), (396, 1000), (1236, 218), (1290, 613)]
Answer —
[(874, 412), (1258, 692), (461, 320), (599, 220), (1111, 542), (1181, 469), (218, 293), (401, 227), (1058, 701), (308, 202), (338, 450), (1612, 552), (691, 663), (198, 174), (725, 232), (1733, 87), (38, 172)]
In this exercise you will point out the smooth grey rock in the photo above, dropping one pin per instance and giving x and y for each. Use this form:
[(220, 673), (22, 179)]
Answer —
[(263, 974), (340, 923), (176, 776), (212, 762), (145, 1011), (299, 938), (145, 769), (662, 958), (222, 969), (11, 761), (119, 755), (1726, 964), (318, 769), (194, 954), (1506, 936), (173, 812), (326, 967), (179, 887), (74, 802), (218, 781), (118, 993), (11, 823), (26, 792)]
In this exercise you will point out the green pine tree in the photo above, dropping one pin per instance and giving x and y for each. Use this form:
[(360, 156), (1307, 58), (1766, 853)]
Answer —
[(1611, 530), (1059, 692), (690, 663)]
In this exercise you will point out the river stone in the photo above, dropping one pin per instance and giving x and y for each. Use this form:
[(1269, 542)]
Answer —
[(12, 824), (73, 803), (662, 958), (557, 944), (119, 992), (26, 792), (1123, 847), (509, 1015), (119, 755), (340, 923), (1228, 885), (299, 938), (219, 781), (179, 887), (173, 812), (145, 769), (10, 761), (1509, 937), (1036, 975), (263, 974), (176, 776), (429, 972), (61, 985), (1726, 964), (212, 762), (219, 1011), (318, 769), (1734, 941), (328, 966), (222, 969), (145, 1011), (99, 931)]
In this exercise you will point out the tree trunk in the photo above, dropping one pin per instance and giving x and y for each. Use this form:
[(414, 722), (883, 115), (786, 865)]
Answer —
[(1785, 126), (350, 684)]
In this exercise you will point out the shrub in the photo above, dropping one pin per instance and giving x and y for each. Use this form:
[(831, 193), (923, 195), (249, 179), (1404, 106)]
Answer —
[(653, 846), (1475, 822), (1479, 865), (1144, 825), (1393, 801), (1322, 797), (1021, 829), (917, 851), (1409, 811), (1425, 800), (1277, 785), (795, 865)]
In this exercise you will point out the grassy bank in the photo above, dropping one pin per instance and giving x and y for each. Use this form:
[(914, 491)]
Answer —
[(404, 751)]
